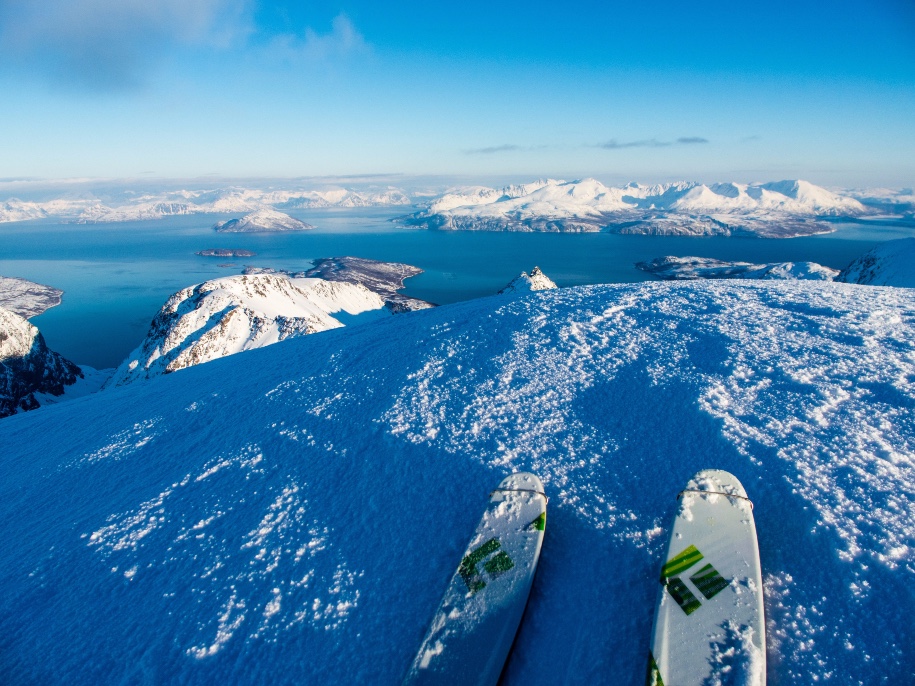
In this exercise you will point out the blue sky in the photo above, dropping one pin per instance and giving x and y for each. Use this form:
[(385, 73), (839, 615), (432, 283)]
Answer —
[(642, 91)]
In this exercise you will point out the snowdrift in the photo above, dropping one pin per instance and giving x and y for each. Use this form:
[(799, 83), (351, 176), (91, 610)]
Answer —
[(293, 514)]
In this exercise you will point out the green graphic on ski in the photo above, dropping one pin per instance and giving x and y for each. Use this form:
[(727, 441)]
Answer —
[(709, 624), (473, 629)]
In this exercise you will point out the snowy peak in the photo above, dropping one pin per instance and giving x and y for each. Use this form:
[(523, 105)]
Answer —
[(262, 221), (889, 264), (525, 283), (236, 313), (779, 209)]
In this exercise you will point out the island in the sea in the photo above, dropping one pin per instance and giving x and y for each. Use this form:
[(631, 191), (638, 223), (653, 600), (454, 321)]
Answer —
[(263, 220), (225, 252), (671, 268), (27, 298), (383, 278)]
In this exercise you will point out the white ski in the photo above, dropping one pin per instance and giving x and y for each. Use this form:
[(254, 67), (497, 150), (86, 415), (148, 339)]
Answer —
[(709, 626), (475, 625)]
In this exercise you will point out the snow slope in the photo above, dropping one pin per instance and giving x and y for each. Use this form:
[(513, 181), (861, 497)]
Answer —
[(889, 264), (777, 209), (294, 514), (686, 268), (526, 283), (226, 316)]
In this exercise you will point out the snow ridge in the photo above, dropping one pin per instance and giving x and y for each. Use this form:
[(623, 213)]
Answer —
[(228, 315), (891, 263)]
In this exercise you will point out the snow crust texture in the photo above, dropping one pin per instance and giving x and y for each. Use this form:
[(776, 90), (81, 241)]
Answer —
[(28, 367), (235, 313), (776, 210), (294, 514), (892, 263)]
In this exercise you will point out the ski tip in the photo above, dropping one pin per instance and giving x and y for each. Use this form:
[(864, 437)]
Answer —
[(521, 481), (717, 480)]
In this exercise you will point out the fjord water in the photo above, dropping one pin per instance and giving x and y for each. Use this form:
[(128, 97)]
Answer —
[(116, 276)]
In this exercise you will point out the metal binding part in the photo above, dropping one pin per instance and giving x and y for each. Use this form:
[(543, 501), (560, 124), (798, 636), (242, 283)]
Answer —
[(519, 490), (726, 495)]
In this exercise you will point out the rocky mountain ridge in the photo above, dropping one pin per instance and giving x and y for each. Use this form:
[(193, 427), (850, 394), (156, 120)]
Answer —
[(28, 367)]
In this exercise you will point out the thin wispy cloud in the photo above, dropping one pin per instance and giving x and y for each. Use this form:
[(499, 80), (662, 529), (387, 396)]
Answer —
[(342, 41), (111, 45), (614, 144), (492, 149)]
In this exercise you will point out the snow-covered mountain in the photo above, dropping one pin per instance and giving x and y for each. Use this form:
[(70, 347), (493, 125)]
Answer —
[(27, 298), (688, 268), (235, 313), (778, 209), (526, 283), (339, 197), (293, 514), (28, 367), (889, 264), (262, 221), (126, 205)]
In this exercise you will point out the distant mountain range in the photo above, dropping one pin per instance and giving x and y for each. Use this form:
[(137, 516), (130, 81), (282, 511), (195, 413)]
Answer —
[(774, 210), (126, 206)]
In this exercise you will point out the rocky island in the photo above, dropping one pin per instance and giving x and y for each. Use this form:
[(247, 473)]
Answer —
[(27, 298), (383, 278), (672, 268), (264, 220), (225, 252)]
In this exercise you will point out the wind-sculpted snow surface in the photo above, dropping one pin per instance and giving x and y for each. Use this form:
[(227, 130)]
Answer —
[(294, 514)]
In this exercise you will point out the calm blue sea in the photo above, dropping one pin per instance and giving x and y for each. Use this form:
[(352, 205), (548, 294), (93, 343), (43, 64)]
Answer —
[(115, 277)]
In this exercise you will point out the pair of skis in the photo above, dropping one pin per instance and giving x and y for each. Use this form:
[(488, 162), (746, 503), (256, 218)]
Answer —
[(708, 625)]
